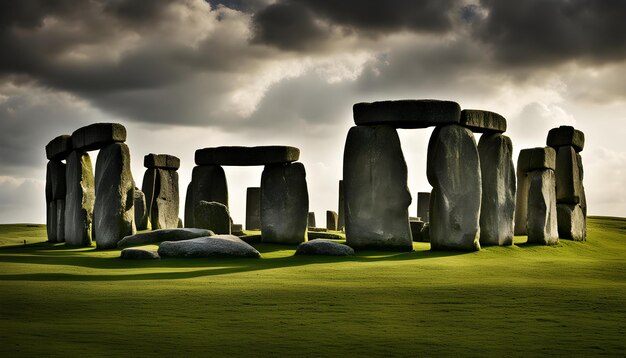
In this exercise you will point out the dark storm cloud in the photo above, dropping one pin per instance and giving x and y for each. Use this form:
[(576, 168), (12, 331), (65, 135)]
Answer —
[(540, 32)]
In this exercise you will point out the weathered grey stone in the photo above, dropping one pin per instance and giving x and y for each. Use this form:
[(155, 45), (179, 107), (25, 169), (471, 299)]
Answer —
[(79, 199), (523, 184), (425, 233), (568, 179), (542, 214), (139, 254), (571, 222), (416, 229), (253, 209), (156, 236), (213, 216), (581, 172), (423, 205), (375, 189), (165, 206), (148, 186), (51, 221), (314, 235), (59, 148), (566, 136), (189, 206), (162, 161), (325, 248), (141, 212), (55, 178), (407, 113), (114, 215), (331, 220), (284, 203), (246, 156), (498, 182), (341, 219), (214, 246), (453, 169), (208, 184), (541, 158), (60, 216), (483, 121), (97, 136), (311, 220)]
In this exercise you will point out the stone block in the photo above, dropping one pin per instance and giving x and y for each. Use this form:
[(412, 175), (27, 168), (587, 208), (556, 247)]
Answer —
[(566, 136), (212, 216), (79, 199), (59, 148), (311, 220), (483, 121), (331, 220), (407, 113), (165, 204), (568, 178), (247, 156), (161, 161), (97, 136), (55, 178), (571, 222)]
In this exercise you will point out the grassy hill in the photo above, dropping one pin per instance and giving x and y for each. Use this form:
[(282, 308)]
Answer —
[(503, 301)]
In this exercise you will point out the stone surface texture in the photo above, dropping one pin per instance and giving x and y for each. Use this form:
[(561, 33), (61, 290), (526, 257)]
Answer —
[(79, 199), (97, 136), (498, 183), (60, 216), (569, 184), (247, 156), (453, 169), (141, 212), (214, 246), (483, 121), (416, 229), (542, 214), (423, 205), (375, 190), (114, 214), (566, 136), (156, 236), (284, 203), (325, 248), (521, 201), (162, 161), (189, 206), (213, 216), (407, 113), (341, 213), (571, 222), (165, 205)]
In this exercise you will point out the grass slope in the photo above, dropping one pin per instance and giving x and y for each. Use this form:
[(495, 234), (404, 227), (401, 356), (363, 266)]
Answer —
[(505, 301)]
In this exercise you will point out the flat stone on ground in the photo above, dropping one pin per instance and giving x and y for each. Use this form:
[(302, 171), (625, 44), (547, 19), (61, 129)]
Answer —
[(59, 147), (325, 248), (407, 113), (156, 236), (214, 246), (247, 156), (482, 121), (566, 136), (162, 161), (97, 136), (139, 254), (314, 235)]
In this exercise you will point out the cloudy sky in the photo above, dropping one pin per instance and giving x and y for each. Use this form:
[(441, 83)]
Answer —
[(188, 74)]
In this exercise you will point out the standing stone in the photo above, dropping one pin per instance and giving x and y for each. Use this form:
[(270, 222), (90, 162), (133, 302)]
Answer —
[(583, 197), (212, 216), (542, 214), (375, 187), (79, 200), (51, 221), (571, 222), (453, 169), (521, 200), (480, 121), (253, 209), (209, 184), (147, 187), (114, 214), (60, 216), (189, 206), (97, 136), (55, 190), (407, 113), (141, 213), (284, 203), (568, 178), (341, 219), (59, 148), (331, 220), (311, 219), (423, 205), (164, 208), (498, 183)]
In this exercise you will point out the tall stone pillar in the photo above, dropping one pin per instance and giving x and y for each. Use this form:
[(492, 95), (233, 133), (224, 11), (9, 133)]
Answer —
[(341, 210), (542, 213), (79, 200), (253, 208), (160, 186), (423, 205), (208, 184)]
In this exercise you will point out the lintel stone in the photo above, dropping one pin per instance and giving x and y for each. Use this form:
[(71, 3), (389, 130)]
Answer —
[(537, 159), (407, 113), (59, 147), (247, 156), (97, 136), (479, 121), (161, 161), (566, 136)]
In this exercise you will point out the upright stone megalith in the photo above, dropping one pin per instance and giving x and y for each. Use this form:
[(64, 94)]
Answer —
[(542, 213), (55, 197), (114, 214), (498, 189), (284, 203), (189, 206), (160, 185), (341, 210), (141, 212), (311, 220), (331, 220), (79, 199), (423, 205), (375, 189), (208, 184), (213, 216), (521, 200), (453, 169), (253, 208)]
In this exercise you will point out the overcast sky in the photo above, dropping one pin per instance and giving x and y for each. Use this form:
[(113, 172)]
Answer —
[(188, 74)]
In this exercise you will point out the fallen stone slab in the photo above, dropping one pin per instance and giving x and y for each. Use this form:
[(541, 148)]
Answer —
[(566, 136), (213, 216), (79, 199), (542, 214), (251, 239), (97, 136), (139, 254), (571, 222), (324, 248), (314, 235), (569, 184), (407, 113), (214, 246), (247, 156), (498, 183), (375, 188), (161, 161), (156, 236), (114, 214), (453, 170), (482, 121), (59, 148)]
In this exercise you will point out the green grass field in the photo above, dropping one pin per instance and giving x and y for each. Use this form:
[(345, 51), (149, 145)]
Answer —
[(501, 301)]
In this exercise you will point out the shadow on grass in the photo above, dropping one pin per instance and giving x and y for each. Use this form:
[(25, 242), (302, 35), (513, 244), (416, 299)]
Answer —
[(60, 255)]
